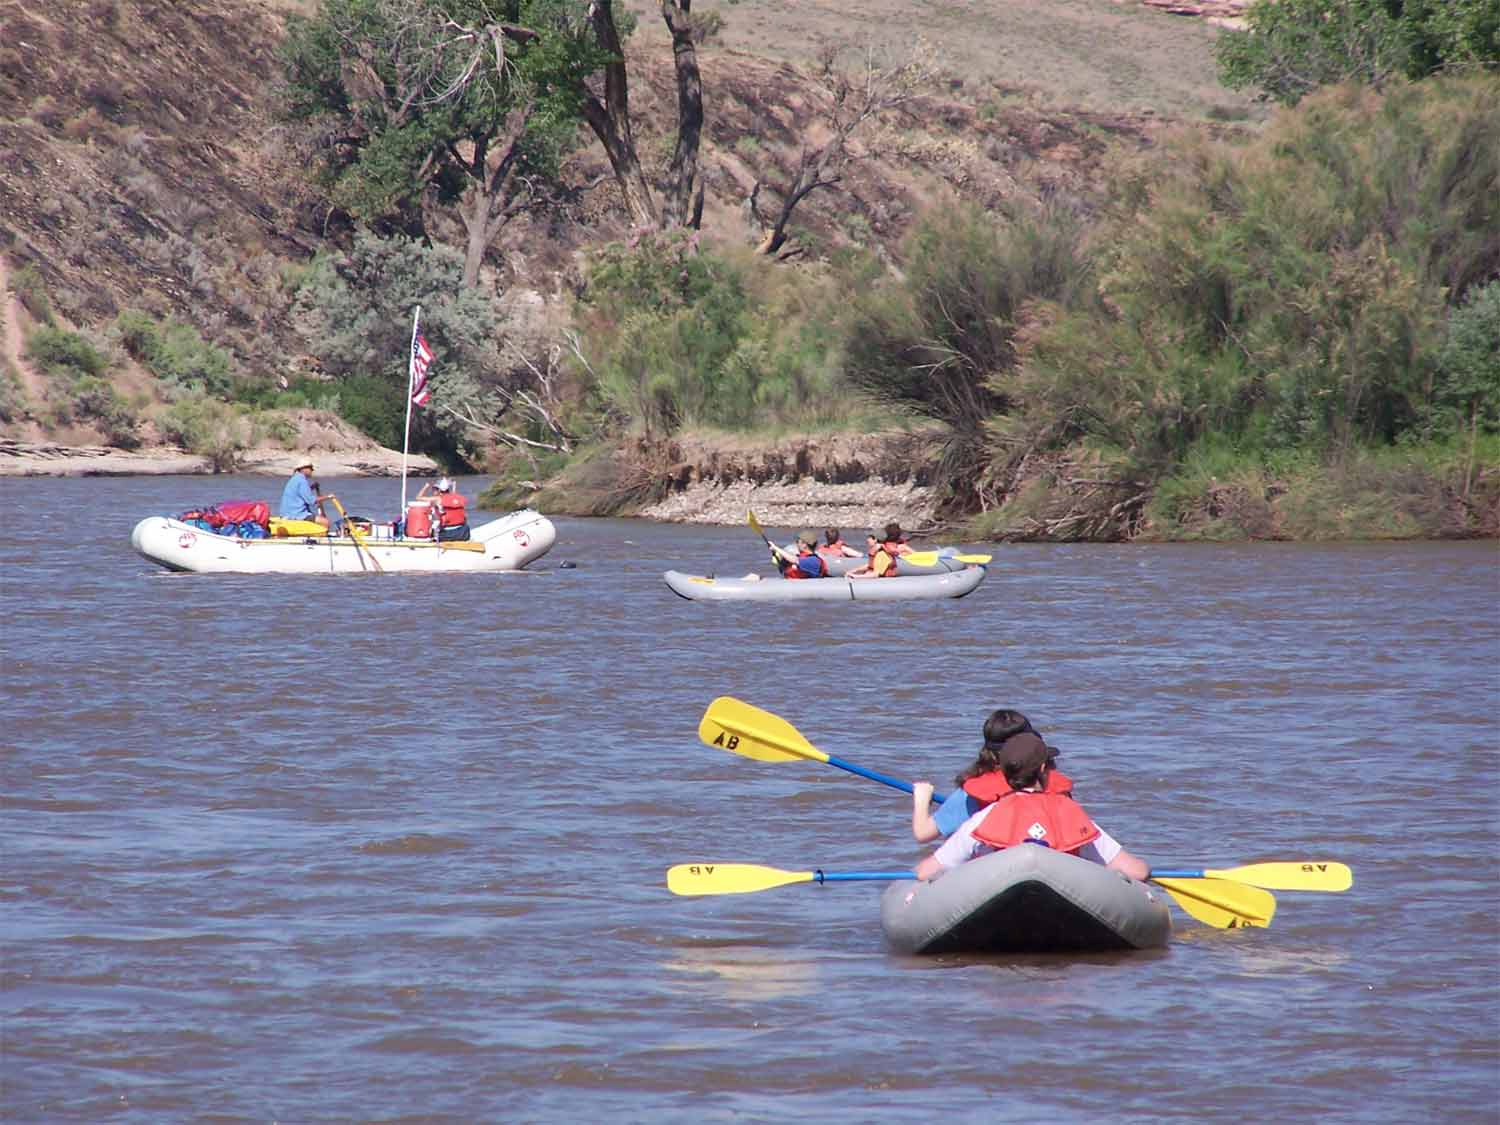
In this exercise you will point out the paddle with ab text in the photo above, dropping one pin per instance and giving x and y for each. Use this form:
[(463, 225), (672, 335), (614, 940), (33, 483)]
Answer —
[(742, 728)]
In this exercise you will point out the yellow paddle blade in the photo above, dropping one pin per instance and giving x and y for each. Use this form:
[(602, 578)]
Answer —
[(1225, 905), (729, 878), (742, 728), (755, 525), (1300, 875), (930, 558)]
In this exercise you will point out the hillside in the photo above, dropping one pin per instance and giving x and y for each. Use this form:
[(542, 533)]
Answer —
[(143, 164)]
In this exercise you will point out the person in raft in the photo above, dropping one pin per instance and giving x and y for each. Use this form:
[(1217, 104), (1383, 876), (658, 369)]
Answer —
[(1028, 814), (834, 547), (300, 499), (449, 510), (981, 783), (805, 562), (887, 548)]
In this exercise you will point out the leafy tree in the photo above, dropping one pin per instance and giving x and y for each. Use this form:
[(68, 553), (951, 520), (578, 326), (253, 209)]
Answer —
[(466, 102), (1292, 47), (356, 309)]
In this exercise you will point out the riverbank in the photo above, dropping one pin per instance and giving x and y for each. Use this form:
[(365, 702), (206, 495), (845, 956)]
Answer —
[(47, 459)]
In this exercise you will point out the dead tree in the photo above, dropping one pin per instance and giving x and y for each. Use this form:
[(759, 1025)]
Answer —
[(853, 100)]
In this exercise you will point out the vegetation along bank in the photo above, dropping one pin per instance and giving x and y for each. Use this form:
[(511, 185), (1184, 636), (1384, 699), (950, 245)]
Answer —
[(670, 253)]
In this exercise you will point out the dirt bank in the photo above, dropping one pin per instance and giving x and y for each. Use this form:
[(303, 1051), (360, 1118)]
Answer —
[(41, 459)]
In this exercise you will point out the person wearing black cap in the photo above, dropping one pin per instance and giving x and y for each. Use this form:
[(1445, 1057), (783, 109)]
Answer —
[(1030, 814)]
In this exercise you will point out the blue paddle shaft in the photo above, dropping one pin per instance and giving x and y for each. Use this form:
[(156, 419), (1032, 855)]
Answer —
[(858, 876), (1178, 873), (884, 779)]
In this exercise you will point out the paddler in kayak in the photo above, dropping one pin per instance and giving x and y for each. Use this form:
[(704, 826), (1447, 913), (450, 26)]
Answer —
[(981, 783), (1030, 814), (834, 547), (805, 562), (884, 551)]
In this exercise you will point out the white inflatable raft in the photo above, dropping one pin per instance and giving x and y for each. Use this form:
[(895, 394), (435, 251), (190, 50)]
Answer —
[(1026, 899), (701, 588), (507, 543)]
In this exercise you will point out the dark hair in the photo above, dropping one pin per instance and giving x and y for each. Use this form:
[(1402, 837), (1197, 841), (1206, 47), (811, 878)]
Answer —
[(831, 535), (1000, 726)]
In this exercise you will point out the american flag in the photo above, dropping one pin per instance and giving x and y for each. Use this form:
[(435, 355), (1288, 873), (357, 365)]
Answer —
[(421, 359)]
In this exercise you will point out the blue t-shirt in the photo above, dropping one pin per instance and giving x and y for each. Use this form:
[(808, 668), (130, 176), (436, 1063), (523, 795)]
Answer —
[(297, 499), (952, 813)]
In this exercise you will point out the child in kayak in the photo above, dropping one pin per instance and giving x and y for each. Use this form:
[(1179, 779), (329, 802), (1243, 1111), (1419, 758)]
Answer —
[(1030, 813), (978, 785)]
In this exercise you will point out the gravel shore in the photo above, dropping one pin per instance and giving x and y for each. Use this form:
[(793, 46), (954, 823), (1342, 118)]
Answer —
[(807, 503), (40, 459)]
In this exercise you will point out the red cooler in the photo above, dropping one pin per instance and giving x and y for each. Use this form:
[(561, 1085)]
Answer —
[(419, 520)]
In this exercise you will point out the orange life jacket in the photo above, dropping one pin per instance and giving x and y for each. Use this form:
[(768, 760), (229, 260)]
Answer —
[(990, 787), (1042, 818), (451, 513), (833, 550), (892, 551)]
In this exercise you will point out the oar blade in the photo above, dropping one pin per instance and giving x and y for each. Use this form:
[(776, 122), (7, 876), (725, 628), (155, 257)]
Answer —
[(1300, 875), (730, 878), (1220, 903), (744, 729)]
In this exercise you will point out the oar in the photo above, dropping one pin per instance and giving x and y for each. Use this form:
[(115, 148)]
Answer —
[(932, 558), (775, 553), (1226, 906), (742, 728), (746, 878), (1290, 875), (359, 540)]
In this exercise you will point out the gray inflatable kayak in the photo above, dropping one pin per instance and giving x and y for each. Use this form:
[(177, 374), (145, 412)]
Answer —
[(701, 588), (1026, 899)]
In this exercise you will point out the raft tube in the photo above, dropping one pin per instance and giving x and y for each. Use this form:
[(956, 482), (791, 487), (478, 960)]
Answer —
[(701, 588), (1025, 899), (944, 565)]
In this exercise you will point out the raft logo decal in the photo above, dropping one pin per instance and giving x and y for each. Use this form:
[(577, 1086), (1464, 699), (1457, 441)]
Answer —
[(1037, 831), (521, 538), (186, 540)]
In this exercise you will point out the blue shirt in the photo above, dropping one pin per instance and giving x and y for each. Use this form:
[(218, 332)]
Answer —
[(952, 813), (297, 499)]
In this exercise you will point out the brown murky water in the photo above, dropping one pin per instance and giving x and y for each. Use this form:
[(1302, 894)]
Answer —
[(392, 849)]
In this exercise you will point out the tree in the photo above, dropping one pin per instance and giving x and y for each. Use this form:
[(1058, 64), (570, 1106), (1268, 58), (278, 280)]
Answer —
[(879, 85), (1291, 47), (608, 114), (466, 102)]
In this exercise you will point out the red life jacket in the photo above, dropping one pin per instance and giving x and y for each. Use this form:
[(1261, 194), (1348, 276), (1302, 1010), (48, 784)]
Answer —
[(1043, 818), (832, 550), (451, 506), (795, 570), (990, 787)]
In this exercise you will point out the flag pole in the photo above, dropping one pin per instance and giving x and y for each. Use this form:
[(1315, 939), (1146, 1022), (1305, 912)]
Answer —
[(411, 376)]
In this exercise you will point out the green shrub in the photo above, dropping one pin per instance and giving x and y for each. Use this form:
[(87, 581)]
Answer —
[(210, 428), (175, 353), (27, 284), (1467, 394), (96, 401), (12, 393), (65, 354)]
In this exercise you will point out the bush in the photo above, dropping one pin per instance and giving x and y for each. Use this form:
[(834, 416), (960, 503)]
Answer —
[(63, 353), (26, 283), (96, 401), (1467, 394), (210, 428), (175, 353), (356, 312)]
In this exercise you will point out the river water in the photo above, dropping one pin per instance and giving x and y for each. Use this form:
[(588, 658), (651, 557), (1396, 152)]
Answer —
[(392, 848)]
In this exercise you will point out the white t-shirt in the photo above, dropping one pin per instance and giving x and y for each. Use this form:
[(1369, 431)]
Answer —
[(963, 846)]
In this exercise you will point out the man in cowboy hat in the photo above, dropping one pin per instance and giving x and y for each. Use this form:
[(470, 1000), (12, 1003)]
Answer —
[(300, 499)]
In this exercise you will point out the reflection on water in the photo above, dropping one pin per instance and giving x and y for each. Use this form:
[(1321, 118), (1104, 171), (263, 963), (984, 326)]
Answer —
[(331, 850)]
